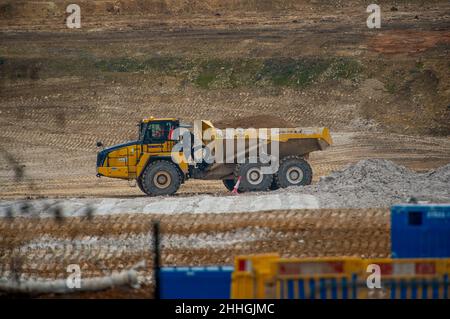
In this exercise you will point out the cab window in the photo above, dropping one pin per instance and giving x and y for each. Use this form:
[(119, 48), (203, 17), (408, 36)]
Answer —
[(158, 132)]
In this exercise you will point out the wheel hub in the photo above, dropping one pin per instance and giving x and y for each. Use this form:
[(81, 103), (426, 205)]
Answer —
[(162, 179), (254, 176), (294, 175)]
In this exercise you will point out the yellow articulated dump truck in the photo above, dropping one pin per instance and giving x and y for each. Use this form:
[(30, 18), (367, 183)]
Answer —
[(168, 153)]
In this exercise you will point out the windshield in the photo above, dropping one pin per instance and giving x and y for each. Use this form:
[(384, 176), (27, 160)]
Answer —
[(156, 131)]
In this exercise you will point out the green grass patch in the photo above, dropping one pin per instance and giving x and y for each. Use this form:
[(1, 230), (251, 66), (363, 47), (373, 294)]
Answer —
[(205, 80), (290, 72), (345, 69), (390, 87), (204, 73), (216, 73), (119, 65), (163, 65), (419, 65), (278, 72)]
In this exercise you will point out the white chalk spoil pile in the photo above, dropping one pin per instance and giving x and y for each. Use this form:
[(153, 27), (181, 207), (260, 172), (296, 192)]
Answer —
[(164, 205), (379, 183)]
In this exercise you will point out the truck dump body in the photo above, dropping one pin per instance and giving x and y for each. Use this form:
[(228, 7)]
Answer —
[(292, 141)]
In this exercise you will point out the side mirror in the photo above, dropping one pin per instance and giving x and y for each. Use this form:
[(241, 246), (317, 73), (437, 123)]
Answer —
[(99, 144)]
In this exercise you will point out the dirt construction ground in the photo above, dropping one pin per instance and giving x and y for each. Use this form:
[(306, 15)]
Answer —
[(384, 93)]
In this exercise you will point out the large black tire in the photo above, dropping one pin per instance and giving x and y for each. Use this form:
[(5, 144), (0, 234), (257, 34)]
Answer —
[(229, 184), (251, 177), (139, 184), (274, 186), (293, 171), (161, 178)]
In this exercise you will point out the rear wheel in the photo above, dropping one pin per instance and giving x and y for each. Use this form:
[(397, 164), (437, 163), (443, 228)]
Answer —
[(293, 171), (160, 178), (252, 177), (229, 184)]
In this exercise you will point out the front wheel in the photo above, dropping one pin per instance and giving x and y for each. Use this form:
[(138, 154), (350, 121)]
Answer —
[(160, 178), (293, 171)]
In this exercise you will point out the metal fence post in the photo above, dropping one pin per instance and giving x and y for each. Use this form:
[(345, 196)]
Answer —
[(156, 260)]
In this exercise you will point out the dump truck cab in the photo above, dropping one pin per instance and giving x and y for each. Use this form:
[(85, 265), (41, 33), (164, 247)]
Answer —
[(159, 168), (129, 160)]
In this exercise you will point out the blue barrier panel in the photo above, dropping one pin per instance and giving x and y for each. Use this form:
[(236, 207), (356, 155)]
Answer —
[(318, 288), (354, 286), (435, 286), (323, 288), (420, 230), (195, 282), (393, 289), (329, 288), (424, 289), (301, 289), (344, 288), (312, 289), (403, 289), (291, 284), (334, 294)]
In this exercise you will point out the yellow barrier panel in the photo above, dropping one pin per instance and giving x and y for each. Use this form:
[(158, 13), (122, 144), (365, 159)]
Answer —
[(311, 277), (421, 278), (268, 276), (250, 274)]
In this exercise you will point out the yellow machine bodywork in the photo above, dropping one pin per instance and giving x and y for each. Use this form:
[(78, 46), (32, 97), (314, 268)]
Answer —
[(129, 161)]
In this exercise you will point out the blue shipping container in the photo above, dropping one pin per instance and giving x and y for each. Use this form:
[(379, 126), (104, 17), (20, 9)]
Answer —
[(195, 282), (420, 230)]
